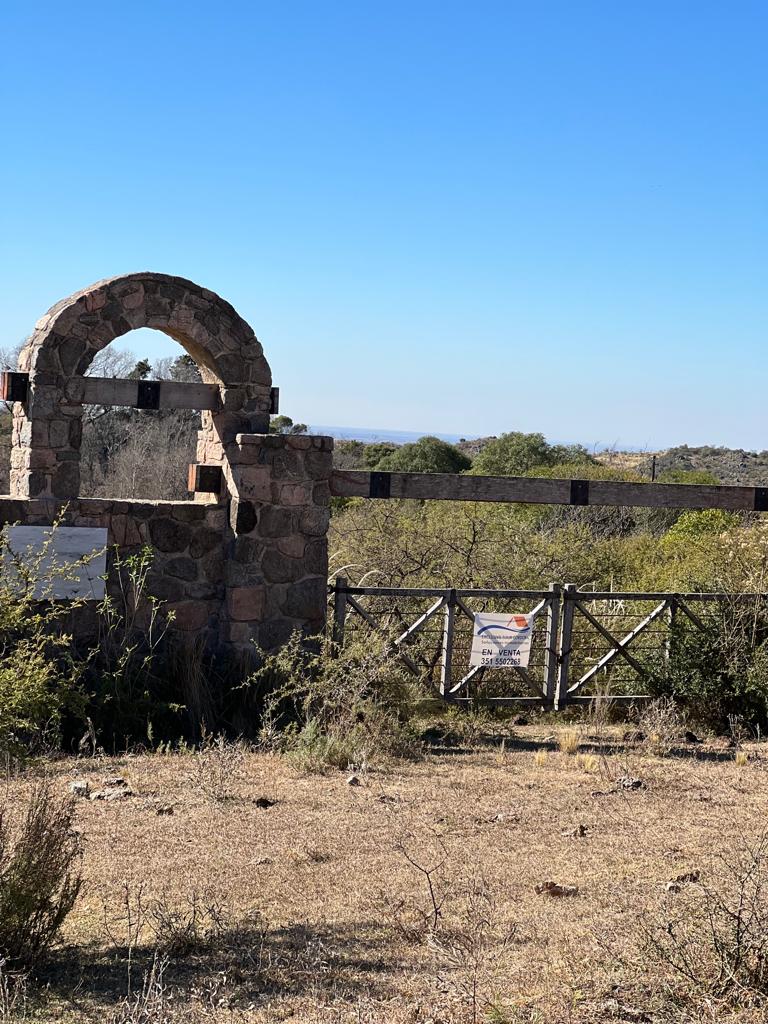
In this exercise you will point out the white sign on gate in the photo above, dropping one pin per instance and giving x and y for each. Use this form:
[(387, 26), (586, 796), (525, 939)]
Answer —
[(501, 641), (64, 563)]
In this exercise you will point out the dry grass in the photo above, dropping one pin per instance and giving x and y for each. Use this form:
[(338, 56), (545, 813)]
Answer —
[(568, 741), (409, 898)]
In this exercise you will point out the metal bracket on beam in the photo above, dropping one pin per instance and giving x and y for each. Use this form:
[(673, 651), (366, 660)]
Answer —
[(148, 394), (202, 478), (14, 386), (381, 485), (579, 492)]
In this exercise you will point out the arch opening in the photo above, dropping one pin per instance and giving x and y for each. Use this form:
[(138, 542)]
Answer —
[(48, 427)]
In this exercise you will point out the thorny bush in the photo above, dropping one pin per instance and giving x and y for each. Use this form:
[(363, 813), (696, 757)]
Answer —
[(335, 712), (39, 875), (714, 933)]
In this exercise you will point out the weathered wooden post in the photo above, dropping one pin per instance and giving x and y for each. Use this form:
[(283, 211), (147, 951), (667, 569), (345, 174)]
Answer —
[(564, 655), (671, 618), (449, 622), (551, 652)]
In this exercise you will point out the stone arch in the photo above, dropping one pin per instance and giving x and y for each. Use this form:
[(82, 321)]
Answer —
[(48, 426)]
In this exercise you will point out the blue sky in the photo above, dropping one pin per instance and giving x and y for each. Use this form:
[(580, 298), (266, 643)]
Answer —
[(466, 218)]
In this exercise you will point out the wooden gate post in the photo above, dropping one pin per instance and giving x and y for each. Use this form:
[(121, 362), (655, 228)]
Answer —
[(671, 618), (564, 655), (551, 652), (449, 619), (339, 614)]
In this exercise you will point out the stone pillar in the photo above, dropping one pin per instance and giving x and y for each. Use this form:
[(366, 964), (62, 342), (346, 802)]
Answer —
[(45, 444), (276, 572)]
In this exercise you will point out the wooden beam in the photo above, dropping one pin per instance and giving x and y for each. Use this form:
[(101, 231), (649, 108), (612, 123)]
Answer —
[(172, 394), (111, 391), (205, 479), (542, 491), (14, 386)]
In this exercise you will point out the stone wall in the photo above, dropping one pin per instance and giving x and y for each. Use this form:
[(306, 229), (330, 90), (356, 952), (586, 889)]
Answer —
[(247, 570), (279, 519), (188, 541)]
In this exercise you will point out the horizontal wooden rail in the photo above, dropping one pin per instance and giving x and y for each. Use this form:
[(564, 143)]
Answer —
[(432, 592), (540, 491), (139, 394), (144, 394)]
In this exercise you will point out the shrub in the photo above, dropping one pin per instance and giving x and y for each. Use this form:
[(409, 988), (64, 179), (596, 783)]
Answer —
[(427, 455), (39, 875), (721, 672), (516, 453), (662, 725), (38, 675), (714, 935), (218, 764), (328, 712)]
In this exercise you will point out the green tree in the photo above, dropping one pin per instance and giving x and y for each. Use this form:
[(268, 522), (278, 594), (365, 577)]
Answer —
[(285, 425), (516, 454), (375, 452), (184, 368), (141, 370), (427, 455)]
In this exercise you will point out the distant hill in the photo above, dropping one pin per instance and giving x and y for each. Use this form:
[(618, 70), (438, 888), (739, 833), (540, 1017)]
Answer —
[(729, 465)]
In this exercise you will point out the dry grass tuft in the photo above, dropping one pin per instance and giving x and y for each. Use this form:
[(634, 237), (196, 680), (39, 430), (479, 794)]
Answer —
[(741, 758), (39, 875), (540, 758), (568, 741), (589, 762), (13, 995)]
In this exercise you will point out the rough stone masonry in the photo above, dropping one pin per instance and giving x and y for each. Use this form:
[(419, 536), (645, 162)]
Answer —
[(247, 564)]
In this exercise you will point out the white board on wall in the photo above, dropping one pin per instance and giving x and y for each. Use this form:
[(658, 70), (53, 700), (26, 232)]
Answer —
[(66, 562)]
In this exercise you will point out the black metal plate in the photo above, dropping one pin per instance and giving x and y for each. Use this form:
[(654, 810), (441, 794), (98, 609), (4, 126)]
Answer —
[(579, 492), (148, 395), (381, 484)]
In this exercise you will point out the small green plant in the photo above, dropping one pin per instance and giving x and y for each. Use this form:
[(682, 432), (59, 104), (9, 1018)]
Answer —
[(39, 677), (129, 692), (40, 878)]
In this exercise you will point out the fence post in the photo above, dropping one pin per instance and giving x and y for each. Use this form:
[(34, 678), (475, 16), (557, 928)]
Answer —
[(550, 655), (671, 618), (449, 618), (564, 655), (339, 614)]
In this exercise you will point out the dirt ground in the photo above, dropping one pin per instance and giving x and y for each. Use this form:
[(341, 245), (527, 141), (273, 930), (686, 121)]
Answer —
[(405, 895)]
